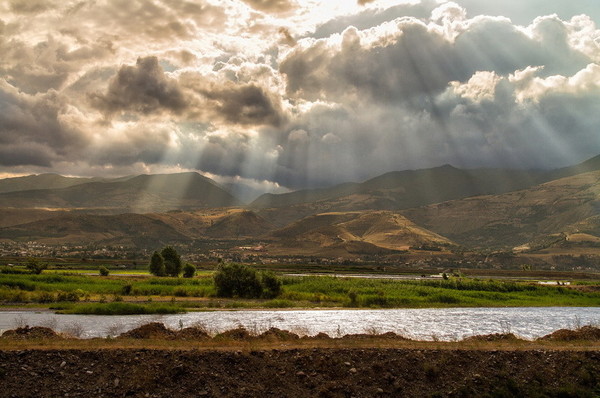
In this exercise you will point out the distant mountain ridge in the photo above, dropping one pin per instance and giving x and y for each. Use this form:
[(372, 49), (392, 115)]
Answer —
[(41, 181), (143, 193), (399, 190), (564, 206)]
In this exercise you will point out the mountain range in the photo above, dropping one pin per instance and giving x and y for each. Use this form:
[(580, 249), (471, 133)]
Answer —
[(439, 207)]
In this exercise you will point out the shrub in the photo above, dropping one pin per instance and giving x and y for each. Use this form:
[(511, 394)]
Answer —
[(103, 271), (189, 270), (271, 285), (237, 280), (35, 266), (126, 289)]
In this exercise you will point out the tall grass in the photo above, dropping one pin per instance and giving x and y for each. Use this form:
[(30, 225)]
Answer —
[(312, 291)]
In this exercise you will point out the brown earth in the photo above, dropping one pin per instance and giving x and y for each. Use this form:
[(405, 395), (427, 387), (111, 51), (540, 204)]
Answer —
[(278, 363), (318, 372)]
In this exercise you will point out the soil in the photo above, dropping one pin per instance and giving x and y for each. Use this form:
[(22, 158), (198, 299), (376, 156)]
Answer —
[(589, 333), (321, 372), (343, 370)]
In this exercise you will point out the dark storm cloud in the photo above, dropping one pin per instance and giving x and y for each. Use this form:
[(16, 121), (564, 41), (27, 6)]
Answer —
[(243, 104), (276, 6), (418, 61), (35, 129), (143, 88)]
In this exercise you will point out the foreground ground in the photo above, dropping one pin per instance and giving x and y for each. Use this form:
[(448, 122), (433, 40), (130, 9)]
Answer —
[(152, 361), (321, 372)]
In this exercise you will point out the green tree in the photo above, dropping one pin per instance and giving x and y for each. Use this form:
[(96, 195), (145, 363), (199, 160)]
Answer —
[(173, 263), (237, 280), (157, 265), (35, 266), (103, 271), (189, 270), (271, 284)]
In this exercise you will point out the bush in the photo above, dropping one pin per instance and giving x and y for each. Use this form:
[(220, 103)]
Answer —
[(271, 285), (103, 271), (35, 266), (189, 270), (126, 289), (237, 280)]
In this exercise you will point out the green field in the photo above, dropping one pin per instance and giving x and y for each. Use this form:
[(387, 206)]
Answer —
[(77, 293)]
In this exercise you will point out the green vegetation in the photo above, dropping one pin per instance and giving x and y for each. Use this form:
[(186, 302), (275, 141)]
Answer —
[(118, 308), (189, 270), (35, 266), (103, 271), (238, 280), (157, 265), (252, 289), (172, 260)]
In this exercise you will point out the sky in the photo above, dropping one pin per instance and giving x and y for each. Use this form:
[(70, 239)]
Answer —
[(288, 94)]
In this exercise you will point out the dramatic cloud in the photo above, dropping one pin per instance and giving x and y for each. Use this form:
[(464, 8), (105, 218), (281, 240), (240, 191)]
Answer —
[(142, 88), (280, 94)]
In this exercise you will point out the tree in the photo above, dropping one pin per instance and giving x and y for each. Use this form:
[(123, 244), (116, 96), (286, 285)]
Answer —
[(271, 284), (35, 266), (237, 280), (103, 271), (157, 265), (189, 270), (173, 264)]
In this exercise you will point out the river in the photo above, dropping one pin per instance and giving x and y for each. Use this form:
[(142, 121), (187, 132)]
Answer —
[(423, 324)]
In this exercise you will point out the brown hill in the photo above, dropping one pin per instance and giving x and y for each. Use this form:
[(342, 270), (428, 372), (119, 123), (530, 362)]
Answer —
[(41, 181), (238, 224), (515, 218), (355, 232), (140, 194), (123, 229)]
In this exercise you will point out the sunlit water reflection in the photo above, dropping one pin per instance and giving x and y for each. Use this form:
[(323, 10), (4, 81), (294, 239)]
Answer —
[(423, 324)]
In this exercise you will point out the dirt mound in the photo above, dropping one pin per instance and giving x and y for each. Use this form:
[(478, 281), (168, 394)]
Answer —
[(153, 330), (319, 336), (36, 332), (591, 333), (192, 333), (278, 334), (239, 333), (493, 337), (388, 335)]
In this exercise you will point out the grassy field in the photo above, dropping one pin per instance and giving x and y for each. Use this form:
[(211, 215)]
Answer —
[(76, 293)]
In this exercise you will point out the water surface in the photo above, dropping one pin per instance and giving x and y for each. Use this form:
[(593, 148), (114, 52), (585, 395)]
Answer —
[(423, 324)]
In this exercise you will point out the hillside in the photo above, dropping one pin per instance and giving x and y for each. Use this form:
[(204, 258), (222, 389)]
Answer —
[(40, 181), (140, 194), (411, 188), (401, 190), (516, 218), (366, 232), (81, 229)]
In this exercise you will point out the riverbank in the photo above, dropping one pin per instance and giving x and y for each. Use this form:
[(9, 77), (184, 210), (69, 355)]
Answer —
[(116, 295)]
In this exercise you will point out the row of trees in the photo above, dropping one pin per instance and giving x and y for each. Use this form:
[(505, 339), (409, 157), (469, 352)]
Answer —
[(168, 262)]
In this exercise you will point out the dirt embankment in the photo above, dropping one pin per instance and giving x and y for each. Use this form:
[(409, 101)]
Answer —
[(227, 370), (298, 373)]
